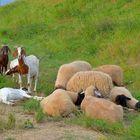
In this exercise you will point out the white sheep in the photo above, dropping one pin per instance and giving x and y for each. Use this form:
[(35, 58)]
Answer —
[(10, 95), (66, 71), (122, 96), (100, 108), (82, 80), (115, 72), (59, 103)]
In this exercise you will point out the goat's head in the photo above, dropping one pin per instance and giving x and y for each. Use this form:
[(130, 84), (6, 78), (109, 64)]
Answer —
[(5, 50), (19, 52), (12, 70)]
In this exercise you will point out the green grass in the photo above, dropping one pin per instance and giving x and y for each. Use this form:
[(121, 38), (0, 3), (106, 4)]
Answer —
[(100, 32), (9, 123)]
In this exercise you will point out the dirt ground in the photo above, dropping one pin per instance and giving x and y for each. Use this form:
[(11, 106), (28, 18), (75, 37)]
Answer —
[(48, 130)]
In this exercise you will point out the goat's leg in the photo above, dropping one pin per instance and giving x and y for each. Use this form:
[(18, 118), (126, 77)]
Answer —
[(29, 83), (20, 80), (4, 100), (36, 80)]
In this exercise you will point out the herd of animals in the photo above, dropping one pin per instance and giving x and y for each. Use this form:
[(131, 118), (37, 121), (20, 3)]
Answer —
[(98, 92)]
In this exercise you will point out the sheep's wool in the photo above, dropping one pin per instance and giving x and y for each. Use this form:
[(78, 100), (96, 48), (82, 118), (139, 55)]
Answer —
[(58, 103), (82, 80), (66, 71), (99, 108)]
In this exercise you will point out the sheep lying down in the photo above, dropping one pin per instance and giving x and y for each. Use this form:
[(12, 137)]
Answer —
[(123, 97), (58, 103), (10, 95), (100, 108)]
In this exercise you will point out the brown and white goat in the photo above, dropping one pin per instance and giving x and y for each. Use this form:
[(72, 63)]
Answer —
[(26, 66)]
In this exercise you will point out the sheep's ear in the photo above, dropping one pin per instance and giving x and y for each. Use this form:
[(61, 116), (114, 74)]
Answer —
[(81, 92), (128, 98)]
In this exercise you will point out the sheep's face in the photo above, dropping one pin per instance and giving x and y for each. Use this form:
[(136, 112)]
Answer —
[(97, 93), (137, 106), (80, 98), (122, 100)]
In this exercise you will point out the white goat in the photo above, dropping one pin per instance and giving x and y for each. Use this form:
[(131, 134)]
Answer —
[(13, 64), (10, 95)]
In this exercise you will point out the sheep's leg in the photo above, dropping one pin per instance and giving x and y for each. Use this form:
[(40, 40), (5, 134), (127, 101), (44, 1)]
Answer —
[(20, 80)]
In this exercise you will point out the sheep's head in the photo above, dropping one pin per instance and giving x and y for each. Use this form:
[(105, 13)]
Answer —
[(137, 106), (93, 91), (122, 100), (97, 92), (80, 98)]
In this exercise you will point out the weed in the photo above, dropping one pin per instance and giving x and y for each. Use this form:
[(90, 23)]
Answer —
[(11, 121)]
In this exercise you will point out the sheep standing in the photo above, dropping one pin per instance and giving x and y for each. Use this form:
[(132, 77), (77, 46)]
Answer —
[(100, 108), (122, 96), (114, 71), (66, 71), (82, 80), (59, 103)]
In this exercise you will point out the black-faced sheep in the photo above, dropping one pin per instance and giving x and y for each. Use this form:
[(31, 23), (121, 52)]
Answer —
[(115, 72), (122, 96), (82, 80), (59, 103), (100, 108), (66, 71)]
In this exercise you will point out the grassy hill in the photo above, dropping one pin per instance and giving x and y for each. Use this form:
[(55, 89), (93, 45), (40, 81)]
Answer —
[(60, 31)]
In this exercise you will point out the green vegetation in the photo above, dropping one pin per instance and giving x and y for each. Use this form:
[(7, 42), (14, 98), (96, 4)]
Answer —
[(9, 123), (99, 31)]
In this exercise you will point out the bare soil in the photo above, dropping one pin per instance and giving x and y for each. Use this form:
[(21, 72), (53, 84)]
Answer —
[(48, 130)]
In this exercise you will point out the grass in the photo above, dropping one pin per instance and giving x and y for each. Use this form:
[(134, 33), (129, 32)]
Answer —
[(100, 32), (9, 123)]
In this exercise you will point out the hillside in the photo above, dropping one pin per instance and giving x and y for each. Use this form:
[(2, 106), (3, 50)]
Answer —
[(60, 31)]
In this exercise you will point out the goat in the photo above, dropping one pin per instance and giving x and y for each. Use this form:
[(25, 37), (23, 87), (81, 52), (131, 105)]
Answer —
[(4, 58), (13, 64), (10, 95), (28, 65)]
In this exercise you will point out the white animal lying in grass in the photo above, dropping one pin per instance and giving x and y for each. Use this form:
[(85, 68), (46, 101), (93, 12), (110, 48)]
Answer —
[(10, 95)]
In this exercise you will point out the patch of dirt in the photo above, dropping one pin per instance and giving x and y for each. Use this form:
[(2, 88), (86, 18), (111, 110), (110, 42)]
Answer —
[(48, 130)]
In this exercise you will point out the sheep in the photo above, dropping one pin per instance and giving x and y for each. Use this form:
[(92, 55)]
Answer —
[(122, 96), (82, 80), (10, 95), (28, 65), (114, 71), (59, 103), (66, 71), (100, 108)]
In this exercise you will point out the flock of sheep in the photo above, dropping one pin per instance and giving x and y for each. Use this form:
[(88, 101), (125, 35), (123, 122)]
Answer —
[(78, 84), (99, 92)]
